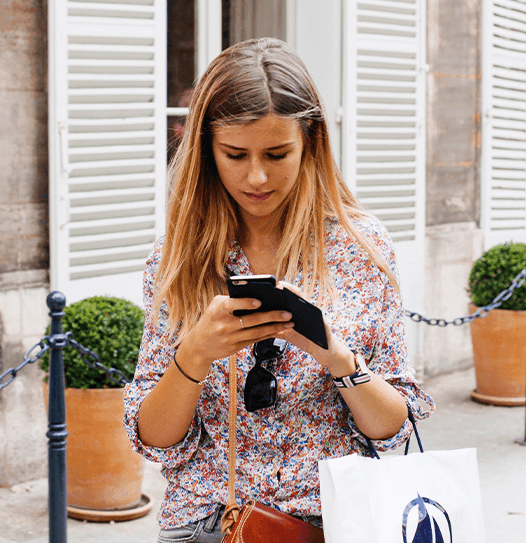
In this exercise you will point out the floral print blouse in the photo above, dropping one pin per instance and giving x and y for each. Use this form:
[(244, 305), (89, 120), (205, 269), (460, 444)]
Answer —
[(278, 448)]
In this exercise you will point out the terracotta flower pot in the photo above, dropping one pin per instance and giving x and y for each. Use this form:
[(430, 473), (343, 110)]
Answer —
[(103, 472), (499, 353)]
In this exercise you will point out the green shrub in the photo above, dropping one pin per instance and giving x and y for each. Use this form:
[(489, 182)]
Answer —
[(494, 271), (110, 327)]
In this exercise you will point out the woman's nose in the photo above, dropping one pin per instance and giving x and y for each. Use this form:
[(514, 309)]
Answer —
[(257, 175)]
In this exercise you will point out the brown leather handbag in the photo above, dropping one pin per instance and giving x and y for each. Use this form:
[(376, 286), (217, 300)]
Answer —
[(255, 522)]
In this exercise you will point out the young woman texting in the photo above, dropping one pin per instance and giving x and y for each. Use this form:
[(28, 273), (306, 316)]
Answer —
[(254, 189)]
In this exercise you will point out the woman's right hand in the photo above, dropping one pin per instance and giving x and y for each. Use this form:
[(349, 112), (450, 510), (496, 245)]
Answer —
[(219, 333), (167, 411)]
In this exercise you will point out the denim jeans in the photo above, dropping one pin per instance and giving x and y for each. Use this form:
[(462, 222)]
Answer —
[(206, 530)]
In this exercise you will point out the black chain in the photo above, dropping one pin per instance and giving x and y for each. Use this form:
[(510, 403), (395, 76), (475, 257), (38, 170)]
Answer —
[(11, 373), (121, 379), (481, 312), (64, 340)]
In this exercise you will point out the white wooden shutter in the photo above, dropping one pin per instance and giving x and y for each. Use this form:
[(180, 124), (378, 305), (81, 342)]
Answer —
[(504, 129), (384, 129), (107, 125), (385, 112)]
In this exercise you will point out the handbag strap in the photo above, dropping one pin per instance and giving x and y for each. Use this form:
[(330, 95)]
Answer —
[(232, 509), (373, 453), (415, 430)]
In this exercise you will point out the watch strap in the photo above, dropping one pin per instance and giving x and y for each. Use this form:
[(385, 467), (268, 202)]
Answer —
[(359, 378)]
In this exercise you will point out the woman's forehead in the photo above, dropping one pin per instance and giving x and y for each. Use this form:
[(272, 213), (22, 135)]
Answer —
[(269, 131)]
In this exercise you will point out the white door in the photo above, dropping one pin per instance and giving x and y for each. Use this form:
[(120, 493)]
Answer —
[(107, 141), (504, 129), (384, 130)]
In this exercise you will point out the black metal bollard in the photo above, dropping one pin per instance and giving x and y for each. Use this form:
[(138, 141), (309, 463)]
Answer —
[(57, 434)]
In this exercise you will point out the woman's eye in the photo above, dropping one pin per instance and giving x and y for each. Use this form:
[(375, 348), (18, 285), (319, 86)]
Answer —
[(235, 157), (241, 156), (277, 157)]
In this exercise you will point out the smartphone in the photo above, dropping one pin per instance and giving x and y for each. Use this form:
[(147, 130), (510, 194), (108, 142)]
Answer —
[(307, 318), (259, 287)]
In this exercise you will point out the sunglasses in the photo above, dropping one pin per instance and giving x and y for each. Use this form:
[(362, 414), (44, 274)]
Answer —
[(261, 387)]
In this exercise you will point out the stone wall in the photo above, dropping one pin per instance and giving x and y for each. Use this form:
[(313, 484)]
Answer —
[(450, 252), (453, 111), (453, 236), (23, 128), (23, 420), (24, 233)]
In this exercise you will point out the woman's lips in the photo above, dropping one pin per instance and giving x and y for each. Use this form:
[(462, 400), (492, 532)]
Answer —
[(258, 196)]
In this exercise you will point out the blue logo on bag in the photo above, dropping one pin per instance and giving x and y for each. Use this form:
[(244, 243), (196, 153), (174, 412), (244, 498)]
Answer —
[(426, 531)]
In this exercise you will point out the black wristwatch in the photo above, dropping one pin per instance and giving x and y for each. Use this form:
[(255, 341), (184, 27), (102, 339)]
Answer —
[(358, 378)]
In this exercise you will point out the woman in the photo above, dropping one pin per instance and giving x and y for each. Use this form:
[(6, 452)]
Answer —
[(255, 190)]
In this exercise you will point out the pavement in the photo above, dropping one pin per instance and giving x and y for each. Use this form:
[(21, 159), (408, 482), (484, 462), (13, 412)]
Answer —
[(458, 423)]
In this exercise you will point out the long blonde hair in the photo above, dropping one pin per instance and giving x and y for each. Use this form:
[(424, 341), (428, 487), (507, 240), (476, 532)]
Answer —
[(243, 84)]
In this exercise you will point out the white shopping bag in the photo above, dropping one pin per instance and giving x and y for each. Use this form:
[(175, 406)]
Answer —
[(429, 497)]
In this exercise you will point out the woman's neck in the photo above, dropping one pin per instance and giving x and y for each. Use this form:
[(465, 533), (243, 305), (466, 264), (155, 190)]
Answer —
[(260, 240)]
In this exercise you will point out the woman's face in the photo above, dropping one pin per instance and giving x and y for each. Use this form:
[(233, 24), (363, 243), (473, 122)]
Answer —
[(259, 162)]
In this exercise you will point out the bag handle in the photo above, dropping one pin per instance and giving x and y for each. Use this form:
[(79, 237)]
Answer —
[(373, 453), (232, 509)]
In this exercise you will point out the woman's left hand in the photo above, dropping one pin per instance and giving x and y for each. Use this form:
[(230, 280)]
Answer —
[(338, 358), (378, 409)]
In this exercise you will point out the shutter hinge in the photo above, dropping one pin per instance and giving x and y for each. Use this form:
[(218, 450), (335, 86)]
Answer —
[(339, 115)]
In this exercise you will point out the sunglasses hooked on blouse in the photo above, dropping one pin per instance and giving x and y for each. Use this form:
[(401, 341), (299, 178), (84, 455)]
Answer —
[(261, 387)]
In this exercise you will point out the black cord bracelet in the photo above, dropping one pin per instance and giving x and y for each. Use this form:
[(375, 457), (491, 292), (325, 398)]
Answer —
[(188, 377)]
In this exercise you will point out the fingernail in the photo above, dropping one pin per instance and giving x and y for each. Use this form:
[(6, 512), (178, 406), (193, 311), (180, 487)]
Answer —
[(289, 324), (256, 303), (286, 315)]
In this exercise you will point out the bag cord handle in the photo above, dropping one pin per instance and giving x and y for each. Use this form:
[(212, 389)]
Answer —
[(232, 509)]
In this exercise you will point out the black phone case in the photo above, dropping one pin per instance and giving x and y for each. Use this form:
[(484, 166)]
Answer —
[(307, 318)]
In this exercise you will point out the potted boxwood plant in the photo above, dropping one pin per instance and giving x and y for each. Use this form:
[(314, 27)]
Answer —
[(103, 472), (499, 339)]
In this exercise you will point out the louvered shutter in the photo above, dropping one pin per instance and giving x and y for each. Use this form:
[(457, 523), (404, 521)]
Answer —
[(504, 129), (384, 131), (107, 126)]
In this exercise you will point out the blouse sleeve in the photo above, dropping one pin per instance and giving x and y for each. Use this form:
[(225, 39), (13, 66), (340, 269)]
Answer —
[(387, 354), (155, 355)]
